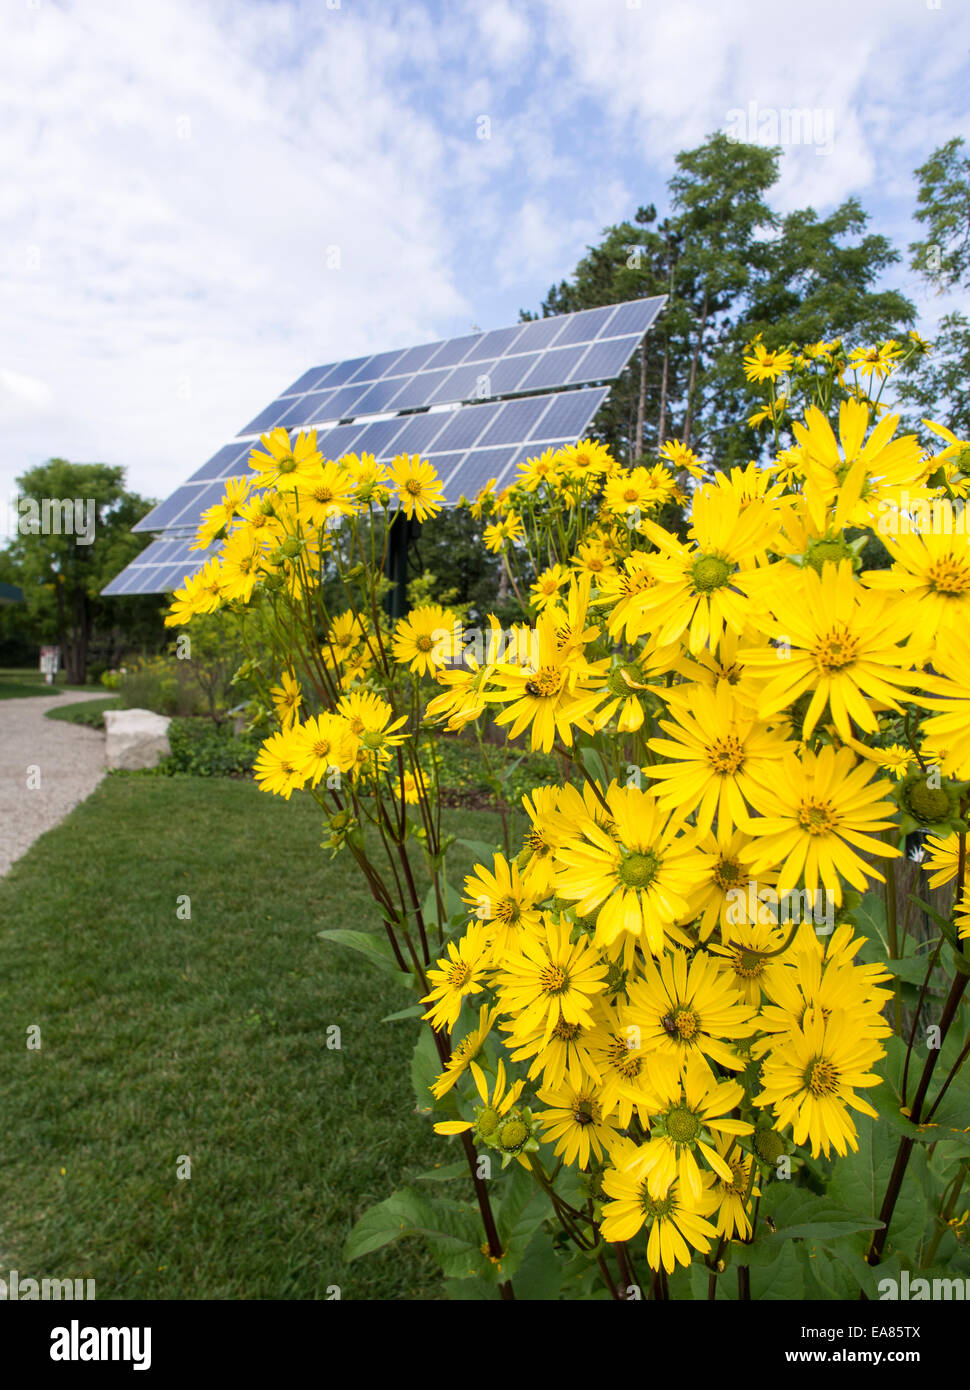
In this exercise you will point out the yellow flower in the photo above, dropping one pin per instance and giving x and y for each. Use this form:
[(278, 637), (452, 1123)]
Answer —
[(696, 590), (678, 455), (456, 975), (419, 488), (503, 898), (810, 1079), (277, 766), (638, 878), (815, 811), (497, 536), (287, 697), (492, 1108), (714, 748), (674, 1223), (285, 465), (427, 638), (545, 976), (686, 1008), (696, 1108), (876, 361), (576, 1121), (323, 744), (840, 641), (762, 365), (554, 692), (465, 1052), (943, 859)]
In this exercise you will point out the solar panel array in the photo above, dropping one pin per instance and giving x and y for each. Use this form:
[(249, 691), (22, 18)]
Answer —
[(437, 400)]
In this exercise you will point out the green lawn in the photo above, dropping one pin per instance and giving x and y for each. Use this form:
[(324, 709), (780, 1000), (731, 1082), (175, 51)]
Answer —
[(88, 712), (163, 1037), (18, 682)]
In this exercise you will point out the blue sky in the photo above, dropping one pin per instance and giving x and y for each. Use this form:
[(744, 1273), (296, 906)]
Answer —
[(202, 199)]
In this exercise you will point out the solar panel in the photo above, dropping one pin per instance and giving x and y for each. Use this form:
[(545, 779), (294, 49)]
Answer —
[(582, 327), (482, 437), (604, 360)]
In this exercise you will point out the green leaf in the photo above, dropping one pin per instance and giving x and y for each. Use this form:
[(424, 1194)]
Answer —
[(450, 1230), (540, 1274), (870, 918), (451, 903), (485, 853), (375, 947), (412, 1011), (444, 1173), (860, 1180), (425, 1070)]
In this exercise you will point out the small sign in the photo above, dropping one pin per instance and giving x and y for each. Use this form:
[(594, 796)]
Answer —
[(50, 662)]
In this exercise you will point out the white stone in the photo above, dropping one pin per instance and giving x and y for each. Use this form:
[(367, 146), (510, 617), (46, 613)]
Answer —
[(136, 738)]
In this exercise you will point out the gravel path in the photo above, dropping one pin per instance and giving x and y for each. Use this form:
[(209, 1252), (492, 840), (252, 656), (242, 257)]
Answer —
[(66, 759)]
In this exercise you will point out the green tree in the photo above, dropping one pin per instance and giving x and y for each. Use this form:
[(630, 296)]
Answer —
[(731, 269), (943, 206), (940, 389), (74, 536)]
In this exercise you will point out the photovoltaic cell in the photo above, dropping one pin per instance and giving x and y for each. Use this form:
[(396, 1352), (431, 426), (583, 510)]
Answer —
[(462, 385), (267, 419), (475, 470), (465, 426), (581, 327), (344, 371), (539, 334), (379, 396), (494, 344), (553, 368), (417, 357), (569, 414), (604, 360), (635, 316), (420, 389), (508, 373), (419, 432), (453, 351), (221, 464), (515, 421), (377, 437), (308, 380)]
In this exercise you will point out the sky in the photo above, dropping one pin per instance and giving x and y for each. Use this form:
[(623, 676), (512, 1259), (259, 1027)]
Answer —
[(200, 199)]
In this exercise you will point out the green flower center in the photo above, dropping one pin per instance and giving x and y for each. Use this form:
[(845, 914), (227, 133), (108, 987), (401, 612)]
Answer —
[(638, 870), (513, 1135), (683, 1126), (928, 804), (768, 1145), (819, 552), (287, 464), (726, 873), (710, 572), (817, 817)]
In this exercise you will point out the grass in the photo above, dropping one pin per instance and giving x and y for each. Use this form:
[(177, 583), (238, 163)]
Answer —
[(205, 1037), (18, 682), (88, 712)]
